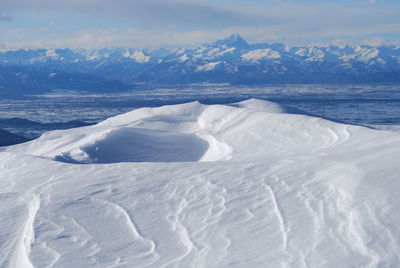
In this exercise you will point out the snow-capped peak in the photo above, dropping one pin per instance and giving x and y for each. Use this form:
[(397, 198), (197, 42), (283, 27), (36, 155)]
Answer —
[(259, 54), (184, 58), (138, 56), (51, 53), (233, 40), (207, 67)]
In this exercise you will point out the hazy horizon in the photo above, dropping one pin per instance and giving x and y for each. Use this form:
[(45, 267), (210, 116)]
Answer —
[(174, 23)]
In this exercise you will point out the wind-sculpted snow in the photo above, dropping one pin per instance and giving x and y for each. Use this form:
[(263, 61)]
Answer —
[(192, 185)]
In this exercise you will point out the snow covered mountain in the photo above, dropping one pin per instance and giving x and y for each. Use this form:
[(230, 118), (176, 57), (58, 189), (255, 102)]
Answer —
[(231, 60), (192, 185)]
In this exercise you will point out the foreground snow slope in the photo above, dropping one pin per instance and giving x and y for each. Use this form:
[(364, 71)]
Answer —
[(193, 185)]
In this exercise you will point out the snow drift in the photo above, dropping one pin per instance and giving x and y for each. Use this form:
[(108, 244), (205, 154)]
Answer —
[(193, 185)]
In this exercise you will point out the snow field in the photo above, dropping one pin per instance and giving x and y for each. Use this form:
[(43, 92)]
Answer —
[(193, 185)]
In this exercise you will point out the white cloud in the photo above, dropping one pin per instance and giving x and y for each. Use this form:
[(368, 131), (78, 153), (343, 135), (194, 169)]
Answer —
[(371, 2), (190, 22), (137, 38), (5, 17), (180, 13)]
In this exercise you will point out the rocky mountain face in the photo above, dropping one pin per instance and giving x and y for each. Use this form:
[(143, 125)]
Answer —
[(231, 60)]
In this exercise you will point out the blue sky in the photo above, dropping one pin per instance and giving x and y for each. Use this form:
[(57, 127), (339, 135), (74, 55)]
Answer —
[(138, 23)]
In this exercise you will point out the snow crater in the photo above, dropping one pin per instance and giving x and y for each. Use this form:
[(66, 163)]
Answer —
[(180, 134), (139, 145)]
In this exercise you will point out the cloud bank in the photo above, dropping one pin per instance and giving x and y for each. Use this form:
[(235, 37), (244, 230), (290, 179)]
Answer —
[(178, 22), (5, 17)]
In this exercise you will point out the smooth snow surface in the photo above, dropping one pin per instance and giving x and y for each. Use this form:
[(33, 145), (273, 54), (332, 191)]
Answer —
[(192, 185)]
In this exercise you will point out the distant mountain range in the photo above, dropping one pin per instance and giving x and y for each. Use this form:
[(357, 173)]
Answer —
[(231, 60), (7, 138)]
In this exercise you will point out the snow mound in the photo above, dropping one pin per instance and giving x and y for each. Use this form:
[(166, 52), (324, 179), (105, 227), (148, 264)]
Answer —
[(245, 186), (144, 135), (191, 132)]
